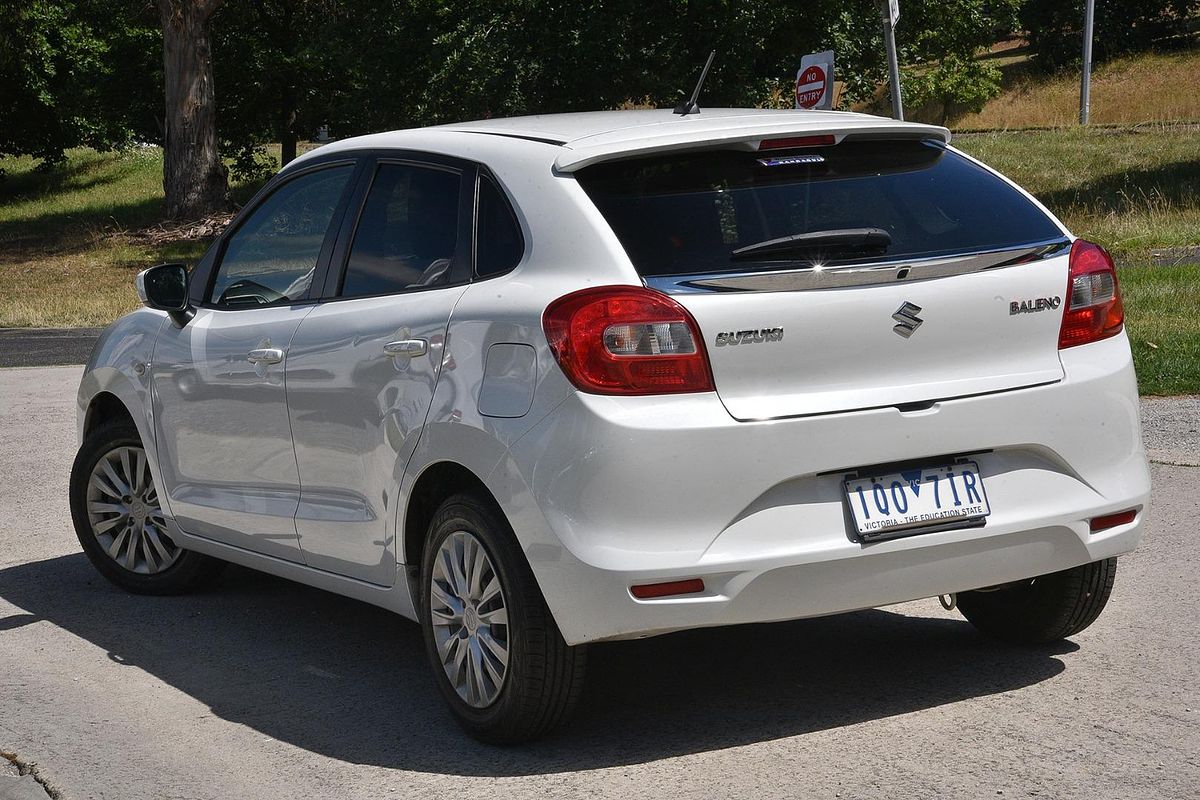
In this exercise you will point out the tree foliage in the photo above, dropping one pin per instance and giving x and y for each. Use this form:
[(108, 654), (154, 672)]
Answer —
[(1120, 26), (75, 72), (91, 71)]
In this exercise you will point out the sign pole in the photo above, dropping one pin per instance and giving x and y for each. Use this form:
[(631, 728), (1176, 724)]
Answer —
[(1085, 83), (891, 13)]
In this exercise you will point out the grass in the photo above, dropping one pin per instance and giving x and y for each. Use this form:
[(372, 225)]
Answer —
[(1139, 89), (67, 255), (68, 251), (1162, 307), (1131, 190)]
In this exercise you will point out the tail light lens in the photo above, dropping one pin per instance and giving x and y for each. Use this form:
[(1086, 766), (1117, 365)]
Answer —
[(1093, 310), (627, 340)]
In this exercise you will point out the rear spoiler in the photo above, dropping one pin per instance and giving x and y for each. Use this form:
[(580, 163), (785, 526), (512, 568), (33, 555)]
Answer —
[(678, 135)]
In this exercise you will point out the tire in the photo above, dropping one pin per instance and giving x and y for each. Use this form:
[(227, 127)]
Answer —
[(541, 677), (125, 536), (1043, 609)]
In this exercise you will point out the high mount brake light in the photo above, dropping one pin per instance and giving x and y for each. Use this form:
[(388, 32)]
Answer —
[(627, 340), (1093, 310), (797, 141)]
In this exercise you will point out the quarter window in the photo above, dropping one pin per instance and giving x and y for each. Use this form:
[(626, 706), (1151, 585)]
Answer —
[(271, 257), (407, 234), (499, 245)]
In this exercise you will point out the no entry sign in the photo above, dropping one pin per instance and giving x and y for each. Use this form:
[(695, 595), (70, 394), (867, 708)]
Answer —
[(810, 87), (814, 81)]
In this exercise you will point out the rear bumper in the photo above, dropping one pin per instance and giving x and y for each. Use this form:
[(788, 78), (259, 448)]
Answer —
[(609, 492)]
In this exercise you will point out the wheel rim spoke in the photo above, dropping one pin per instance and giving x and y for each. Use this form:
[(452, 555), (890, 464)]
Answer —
[(497, 617), (498, 650), (106, 525), (470, 619), (139, 470), (120, 485), (492, 589)]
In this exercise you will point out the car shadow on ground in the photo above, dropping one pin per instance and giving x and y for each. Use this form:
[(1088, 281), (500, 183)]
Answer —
[(349, 681)]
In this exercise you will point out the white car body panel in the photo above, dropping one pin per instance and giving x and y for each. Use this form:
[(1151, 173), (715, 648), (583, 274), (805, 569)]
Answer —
[(741, 486)]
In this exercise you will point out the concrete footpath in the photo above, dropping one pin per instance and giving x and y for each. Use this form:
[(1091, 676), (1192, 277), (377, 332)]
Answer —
[(260, 688)]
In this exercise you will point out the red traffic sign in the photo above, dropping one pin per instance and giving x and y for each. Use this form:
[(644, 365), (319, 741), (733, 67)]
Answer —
[(810, 87)]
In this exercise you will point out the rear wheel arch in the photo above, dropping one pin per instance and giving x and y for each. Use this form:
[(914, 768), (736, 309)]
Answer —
[(436, 483)]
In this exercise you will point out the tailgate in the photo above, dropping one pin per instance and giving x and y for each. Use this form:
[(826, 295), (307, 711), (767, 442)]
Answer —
[(777, 354), (832, 275)]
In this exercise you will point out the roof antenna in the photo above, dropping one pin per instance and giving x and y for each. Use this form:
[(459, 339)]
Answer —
[(690, 107)]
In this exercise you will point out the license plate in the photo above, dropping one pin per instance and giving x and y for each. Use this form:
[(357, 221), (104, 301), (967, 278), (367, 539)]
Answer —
[(917, 501)]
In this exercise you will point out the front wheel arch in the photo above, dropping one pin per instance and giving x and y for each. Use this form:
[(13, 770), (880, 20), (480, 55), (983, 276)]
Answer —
[(103, 409)]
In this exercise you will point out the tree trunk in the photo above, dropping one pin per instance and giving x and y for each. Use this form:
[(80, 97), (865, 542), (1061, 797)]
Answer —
[(194, 177), (287, 132)]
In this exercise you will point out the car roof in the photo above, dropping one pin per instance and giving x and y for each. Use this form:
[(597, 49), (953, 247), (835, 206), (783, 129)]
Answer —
[(584, 138)]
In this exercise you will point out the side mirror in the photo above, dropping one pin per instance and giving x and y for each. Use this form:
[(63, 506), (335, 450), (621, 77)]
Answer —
[(165, 288)]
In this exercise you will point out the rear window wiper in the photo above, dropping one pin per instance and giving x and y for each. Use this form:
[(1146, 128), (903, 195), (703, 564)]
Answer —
[(866, 241)]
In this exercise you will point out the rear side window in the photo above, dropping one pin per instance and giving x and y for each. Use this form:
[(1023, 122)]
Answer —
[(498, 241), (407, 232), (687, 213)]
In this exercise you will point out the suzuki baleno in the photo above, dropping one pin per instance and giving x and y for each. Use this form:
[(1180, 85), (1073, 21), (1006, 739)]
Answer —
[(547, 381)]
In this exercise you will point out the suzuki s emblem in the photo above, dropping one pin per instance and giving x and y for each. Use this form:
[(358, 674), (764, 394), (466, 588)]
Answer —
[(907, 320)]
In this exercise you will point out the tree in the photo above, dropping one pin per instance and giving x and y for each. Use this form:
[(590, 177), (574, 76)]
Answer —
[(943, 41), (74, 73), (195, 179), (1121, 26)]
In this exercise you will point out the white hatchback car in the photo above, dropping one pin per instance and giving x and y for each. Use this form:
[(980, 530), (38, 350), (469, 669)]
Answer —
[(554, 380)]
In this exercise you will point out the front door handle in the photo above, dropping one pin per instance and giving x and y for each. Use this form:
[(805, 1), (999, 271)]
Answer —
[(407, 347), (265, 355)]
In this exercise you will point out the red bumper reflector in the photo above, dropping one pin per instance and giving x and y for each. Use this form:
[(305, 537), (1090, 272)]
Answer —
[(796, 141), (649, 590), (1112, 520)]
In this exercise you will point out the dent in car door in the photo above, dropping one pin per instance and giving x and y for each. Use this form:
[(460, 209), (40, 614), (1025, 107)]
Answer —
[(363, 366)]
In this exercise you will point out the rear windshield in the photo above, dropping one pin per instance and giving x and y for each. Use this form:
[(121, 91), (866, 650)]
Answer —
[(686, 214)]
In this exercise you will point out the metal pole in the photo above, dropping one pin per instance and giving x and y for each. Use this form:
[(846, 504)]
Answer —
[(889, 35), (1085, 84)]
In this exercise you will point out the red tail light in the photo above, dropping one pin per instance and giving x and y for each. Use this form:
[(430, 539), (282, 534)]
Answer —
[(1093, 310), (627, 340)]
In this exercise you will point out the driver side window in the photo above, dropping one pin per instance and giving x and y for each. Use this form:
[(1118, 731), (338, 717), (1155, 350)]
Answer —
[(271, 257)]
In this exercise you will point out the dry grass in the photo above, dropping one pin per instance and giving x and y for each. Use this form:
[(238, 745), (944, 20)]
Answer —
[(1145, 88), (73, 237)]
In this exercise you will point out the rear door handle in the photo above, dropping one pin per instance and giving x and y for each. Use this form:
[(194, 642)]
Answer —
[(407, 347), (265, 355)]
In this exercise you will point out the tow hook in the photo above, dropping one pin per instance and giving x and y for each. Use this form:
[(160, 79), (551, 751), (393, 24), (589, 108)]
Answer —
[(948, 601)]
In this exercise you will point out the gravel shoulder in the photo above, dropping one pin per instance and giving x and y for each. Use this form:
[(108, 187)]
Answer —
[(1171, 429)]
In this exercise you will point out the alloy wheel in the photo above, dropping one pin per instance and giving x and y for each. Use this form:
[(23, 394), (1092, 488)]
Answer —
[(125, 514), (470, 619)]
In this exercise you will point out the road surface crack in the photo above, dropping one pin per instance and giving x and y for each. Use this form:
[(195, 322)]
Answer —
[(30, 768)]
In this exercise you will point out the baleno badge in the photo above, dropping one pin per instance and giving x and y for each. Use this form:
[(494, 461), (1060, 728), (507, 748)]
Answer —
[(1033, 306)]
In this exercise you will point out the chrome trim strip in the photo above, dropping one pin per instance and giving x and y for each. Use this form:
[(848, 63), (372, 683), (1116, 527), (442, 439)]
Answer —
[(841, 277)]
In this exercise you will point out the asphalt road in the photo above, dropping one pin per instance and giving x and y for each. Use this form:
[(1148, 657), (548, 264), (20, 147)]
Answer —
[(262, 688), (39, 347)]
